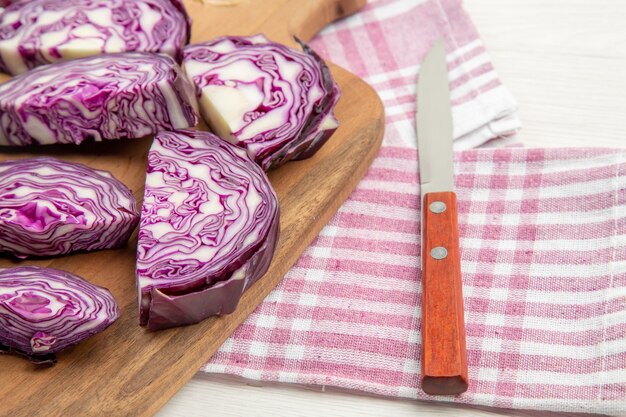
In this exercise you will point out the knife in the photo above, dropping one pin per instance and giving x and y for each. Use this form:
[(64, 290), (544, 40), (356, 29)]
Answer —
[(444, 357)]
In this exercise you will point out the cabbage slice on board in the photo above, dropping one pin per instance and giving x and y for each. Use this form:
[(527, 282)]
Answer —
[(209, 227), (274, 101), (52, 207), (45, 310), (39, 32), (112, 96)]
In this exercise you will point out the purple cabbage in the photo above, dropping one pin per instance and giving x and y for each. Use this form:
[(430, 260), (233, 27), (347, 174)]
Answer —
[(39, 32), (274, 101), (45, 310), (113, 96), (52, 207), (209, 227)]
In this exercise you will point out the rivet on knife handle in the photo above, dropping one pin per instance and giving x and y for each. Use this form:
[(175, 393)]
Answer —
[(444, 357)]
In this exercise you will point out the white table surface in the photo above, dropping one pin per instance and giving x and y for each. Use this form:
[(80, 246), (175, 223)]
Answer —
[(565, 63)]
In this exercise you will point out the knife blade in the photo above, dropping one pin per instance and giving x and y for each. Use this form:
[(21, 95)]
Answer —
[(444, 357)]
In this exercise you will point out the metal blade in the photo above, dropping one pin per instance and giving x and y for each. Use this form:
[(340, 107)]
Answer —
[(434, 123)]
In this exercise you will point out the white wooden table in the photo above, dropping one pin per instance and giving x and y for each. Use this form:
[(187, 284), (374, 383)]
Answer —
[(565, 62)]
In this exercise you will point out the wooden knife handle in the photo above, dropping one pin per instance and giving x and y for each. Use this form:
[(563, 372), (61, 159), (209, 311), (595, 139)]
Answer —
[(444, 356)]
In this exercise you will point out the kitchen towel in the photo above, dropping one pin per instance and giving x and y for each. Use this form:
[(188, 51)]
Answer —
[(384, 44), (543, 255), (542, 243)]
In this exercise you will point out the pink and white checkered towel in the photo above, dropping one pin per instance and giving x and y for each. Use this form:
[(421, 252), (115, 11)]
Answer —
[(543, 246), (385, 43)]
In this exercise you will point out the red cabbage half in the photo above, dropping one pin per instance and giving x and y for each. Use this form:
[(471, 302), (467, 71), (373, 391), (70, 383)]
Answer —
[(209, 227), (52, 207), (111, 96), (45, 310), (39, 32), (275, 101)]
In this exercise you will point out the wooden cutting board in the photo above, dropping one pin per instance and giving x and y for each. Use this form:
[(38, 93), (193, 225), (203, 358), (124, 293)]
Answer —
[(126, 370)]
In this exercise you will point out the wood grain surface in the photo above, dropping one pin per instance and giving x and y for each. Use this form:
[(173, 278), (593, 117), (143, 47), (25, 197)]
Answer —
[(126, 370), (444, 356)]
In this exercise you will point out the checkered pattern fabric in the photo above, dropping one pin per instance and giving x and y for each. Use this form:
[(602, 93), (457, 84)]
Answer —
[(543, 247)]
